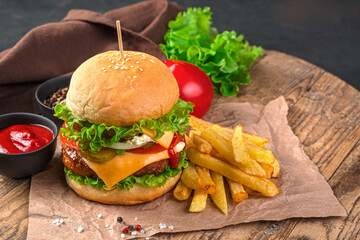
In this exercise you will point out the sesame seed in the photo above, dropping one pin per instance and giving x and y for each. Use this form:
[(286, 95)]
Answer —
[(147, 238), (131, 66), (105, 55), (126, 67), (137, 54), (80, 229), (61, 221), (102, 68), (137, 62), (141, 69), (107, 225), (58, 224), (152, 61), (112, 61), (109, 66), (99, 215), (117, 53), (135, 77), (116, 67)]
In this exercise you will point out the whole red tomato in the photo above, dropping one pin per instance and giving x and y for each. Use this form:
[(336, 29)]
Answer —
[(194, 84)]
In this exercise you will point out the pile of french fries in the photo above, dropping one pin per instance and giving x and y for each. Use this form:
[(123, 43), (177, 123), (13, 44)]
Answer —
[(216, 152)]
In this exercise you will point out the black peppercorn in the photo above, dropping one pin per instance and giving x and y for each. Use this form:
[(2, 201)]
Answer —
[(119, 219)]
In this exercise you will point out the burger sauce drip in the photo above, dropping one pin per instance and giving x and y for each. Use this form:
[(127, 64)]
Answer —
[(22, 138), (174, 160)]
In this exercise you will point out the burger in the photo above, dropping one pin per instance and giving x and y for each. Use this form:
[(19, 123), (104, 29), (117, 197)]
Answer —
[(123, 132)]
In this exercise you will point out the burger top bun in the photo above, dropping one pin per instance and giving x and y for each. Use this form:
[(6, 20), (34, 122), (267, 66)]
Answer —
[(120, 92)]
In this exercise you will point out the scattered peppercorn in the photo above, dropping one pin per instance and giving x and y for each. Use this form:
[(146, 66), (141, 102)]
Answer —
[(125, 230), (131, 227), (138, 227), (56, 97), (119, 219)]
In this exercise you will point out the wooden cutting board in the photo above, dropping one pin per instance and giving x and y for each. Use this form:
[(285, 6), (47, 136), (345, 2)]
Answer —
[(324, 112)]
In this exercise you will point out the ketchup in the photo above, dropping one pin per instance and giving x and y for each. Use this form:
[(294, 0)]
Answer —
[(23, 138), (174, 160)]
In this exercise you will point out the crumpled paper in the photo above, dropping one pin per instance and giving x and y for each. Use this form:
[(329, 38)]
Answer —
[(304, 191)]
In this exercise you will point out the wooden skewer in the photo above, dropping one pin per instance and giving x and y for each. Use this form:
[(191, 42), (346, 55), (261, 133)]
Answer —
[(118, 27)]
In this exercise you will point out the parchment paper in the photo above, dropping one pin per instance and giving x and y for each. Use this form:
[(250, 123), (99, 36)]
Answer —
[(304, 191)]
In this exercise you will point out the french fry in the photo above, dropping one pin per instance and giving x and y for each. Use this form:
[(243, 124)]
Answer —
[(248, 190), (219, 198), (198, 203), (181, 191), (264, 186), (189, 142), (276, 168), (201, 144), (192, 133), (191, 178), (237, 191), (200, 125), (239, 146), (216, 154), (259, 154), (225, 149), (268, 169), (260, 141), (204, 174)]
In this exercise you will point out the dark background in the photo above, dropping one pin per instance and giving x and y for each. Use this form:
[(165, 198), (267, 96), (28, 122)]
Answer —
[(323, 32)]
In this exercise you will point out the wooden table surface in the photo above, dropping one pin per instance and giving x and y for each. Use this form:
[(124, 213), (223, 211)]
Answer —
[(324, 112)]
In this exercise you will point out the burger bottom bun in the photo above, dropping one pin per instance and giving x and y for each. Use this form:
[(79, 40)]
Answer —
[(138, 194)]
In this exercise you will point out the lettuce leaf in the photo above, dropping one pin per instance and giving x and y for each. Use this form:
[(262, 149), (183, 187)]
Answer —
[(148, 180), (91, 137), (225, 57)]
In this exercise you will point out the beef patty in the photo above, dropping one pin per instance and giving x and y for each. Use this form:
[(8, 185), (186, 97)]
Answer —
[(75, 163)]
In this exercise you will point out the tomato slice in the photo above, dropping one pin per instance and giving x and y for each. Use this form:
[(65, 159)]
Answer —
[(65, 140), (153, 149)]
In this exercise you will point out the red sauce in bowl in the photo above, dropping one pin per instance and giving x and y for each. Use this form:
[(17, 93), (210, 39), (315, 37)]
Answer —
[(23, 138)]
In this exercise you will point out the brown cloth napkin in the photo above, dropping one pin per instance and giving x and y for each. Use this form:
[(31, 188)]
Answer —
[(58, 48)]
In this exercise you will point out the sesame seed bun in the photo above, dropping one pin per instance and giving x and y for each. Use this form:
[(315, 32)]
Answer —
[(120, 92), (138, 194)]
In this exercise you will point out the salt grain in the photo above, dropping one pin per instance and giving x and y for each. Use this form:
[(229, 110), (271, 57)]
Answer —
[(142, 231), (112, 61), (80, 229), (162, 225), (99, 215), (122, 235), (107, 225), (133, 233), (171, 227), (135, 218)]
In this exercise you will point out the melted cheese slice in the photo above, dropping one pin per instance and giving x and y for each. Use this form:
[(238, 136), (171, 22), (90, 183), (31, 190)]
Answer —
[(164, 141), (122, 166)]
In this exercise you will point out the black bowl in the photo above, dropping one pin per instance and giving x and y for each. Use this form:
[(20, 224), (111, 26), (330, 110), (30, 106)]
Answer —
[(45, 90), (26, 164)]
